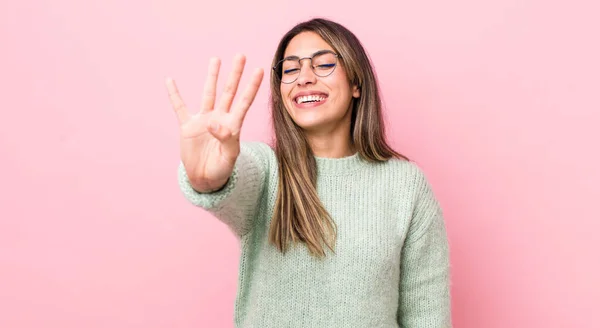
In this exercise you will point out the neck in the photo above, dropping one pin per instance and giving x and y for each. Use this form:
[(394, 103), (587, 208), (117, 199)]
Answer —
[(331, 144)]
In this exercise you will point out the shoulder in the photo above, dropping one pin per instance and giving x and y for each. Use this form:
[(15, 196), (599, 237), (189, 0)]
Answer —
[(426, 208), (411, 173), (261, 152), (257, 148), (408, 179)]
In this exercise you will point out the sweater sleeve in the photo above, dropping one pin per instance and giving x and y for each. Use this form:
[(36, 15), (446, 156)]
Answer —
[(425, 267), (237, 202)]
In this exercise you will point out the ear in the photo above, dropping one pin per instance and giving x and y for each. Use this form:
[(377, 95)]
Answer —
[(355, 91)]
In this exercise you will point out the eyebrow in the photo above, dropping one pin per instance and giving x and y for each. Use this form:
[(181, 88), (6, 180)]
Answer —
[(314, 54)]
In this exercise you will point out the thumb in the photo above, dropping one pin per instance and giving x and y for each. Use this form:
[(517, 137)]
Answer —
[(220, 132), (230, 144)]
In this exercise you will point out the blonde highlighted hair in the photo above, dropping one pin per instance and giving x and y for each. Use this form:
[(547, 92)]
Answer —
[(299, 215)]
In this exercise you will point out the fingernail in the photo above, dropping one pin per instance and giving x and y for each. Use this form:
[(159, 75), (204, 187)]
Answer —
[(214, 126)]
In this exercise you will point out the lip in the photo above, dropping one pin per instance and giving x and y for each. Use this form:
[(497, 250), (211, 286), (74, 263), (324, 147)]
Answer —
[(309, 93)]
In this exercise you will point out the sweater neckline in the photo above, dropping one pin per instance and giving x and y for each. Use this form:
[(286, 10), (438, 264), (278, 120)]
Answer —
[(339, 166)]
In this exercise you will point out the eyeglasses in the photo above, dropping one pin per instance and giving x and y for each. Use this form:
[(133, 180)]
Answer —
[(323, 63)]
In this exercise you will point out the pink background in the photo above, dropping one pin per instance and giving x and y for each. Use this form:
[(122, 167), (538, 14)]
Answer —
[(497, 100)]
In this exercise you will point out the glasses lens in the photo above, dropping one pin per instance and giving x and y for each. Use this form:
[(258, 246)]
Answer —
[(289, 69), (324, 64)]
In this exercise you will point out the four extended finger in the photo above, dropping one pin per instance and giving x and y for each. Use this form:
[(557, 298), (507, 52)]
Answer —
[(248, 96), (176, 101), (210, 86), (232, 83)]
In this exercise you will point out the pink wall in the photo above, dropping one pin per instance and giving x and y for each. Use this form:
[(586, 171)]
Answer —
[(497, 100)]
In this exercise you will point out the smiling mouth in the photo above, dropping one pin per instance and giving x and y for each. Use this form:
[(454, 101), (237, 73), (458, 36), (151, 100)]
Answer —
[(310, 99)]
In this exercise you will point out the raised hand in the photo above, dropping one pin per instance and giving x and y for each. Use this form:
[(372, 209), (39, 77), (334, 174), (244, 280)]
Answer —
[(210, 139)]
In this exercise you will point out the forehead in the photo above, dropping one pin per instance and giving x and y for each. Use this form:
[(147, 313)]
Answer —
[(305, 44)]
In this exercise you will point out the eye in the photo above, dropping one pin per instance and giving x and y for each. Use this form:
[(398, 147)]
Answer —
[(290, 71), (325, 66)]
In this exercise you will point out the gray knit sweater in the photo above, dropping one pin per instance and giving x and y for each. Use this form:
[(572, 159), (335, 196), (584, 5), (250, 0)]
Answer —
[(391, 263)]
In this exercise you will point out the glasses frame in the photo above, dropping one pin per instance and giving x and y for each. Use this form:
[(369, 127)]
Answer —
[(279, 75)]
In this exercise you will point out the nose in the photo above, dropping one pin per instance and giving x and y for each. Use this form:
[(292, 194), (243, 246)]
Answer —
[(306, 74)]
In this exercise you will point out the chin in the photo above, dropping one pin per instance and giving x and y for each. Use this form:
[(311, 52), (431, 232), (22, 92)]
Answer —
[(314, 119), (309, 122), (309, 126)]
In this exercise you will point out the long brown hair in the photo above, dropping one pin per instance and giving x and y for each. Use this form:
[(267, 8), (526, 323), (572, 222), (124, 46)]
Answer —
[(299, 215)]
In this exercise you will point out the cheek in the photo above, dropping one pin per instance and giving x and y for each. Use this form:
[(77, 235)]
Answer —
[(342, 92), (285, 90), (285, 99), (285, 94)]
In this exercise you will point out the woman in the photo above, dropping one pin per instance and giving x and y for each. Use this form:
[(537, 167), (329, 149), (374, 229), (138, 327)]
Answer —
[(336, 228)]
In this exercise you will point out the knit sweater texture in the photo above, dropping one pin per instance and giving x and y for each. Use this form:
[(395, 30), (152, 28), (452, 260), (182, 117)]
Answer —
[(391, 263)]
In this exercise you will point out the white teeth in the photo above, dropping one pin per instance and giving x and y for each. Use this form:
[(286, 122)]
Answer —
[(304, 99)]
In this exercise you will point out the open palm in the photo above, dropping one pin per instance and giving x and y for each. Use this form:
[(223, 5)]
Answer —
[(210, 139)]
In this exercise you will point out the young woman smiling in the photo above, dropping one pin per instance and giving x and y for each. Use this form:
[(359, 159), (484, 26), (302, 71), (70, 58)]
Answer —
[(336, 228)]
